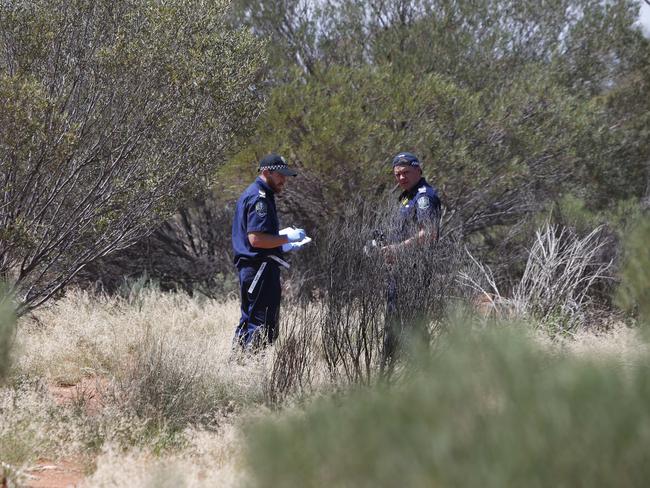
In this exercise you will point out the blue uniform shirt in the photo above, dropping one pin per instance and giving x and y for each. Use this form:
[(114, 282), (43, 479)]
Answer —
[(419, 208), (255, 212)]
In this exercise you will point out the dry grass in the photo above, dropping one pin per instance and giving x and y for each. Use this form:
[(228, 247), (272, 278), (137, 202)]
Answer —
[(553, 291), (85, 334), (165, 365), (620, 344), (209, 459), (171, 396)]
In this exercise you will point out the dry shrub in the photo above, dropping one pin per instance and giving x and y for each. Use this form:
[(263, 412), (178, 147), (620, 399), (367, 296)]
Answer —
[(343, 302), (295, 356), (191, 251), (7, 325), (173, 383), (561, 270)]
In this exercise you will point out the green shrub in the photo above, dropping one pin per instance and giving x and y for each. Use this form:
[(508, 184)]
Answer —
[(489, 410), (634, 293), (118, 112)]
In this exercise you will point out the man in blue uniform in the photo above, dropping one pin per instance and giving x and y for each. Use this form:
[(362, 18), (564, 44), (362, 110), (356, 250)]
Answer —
[(258, 250), (416, 228)]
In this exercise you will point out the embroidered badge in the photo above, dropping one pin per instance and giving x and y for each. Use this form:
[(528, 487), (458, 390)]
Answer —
[(422, 189), (260, 208), (423, 203)]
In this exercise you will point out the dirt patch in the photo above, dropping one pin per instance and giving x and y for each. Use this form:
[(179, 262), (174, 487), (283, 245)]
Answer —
[(87, 395), (63, 474)]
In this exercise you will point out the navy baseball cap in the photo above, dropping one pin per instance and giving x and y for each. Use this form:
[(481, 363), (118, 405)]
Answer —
[(275, 162), (406, 159)]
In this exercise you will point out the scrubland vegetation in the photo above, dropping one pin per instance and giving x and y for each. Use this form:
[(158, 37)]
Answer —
[(128, 129), (156, 395)]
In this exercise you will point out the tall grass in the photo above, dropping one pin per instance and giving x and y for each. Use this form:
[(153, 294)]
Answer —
[(159, 364), (163, 350), (490, 409), (561, 270), (7, 324)]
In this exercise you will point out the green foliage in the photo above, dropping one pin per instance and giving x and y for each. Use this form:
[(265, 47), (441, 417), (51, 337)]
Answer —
[(634, 292), (7, 324), (494, 156), (510, 104), (490, 409), (573, 211), (112, 115)]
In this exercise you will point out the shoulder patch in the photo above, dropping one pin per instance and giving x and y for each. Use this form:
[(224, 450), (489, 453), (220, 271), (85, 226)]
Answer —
[(262, 193), (424, 203), (261, 208), (422, 189)]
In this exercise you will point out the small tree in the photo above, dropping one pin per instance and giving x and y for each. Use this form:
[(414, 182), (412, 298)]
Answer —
[(112, 114)]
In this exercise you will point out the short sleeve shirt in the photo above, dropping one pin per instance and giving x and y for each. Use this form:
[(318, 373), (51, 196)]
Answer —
[(255, 212), (419, 208)]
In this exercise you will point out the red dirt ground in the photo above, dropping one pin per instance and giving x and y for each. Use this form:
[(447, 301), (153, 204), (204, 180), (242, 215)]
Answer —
[(86, 394), (63, 474), (68, 473)]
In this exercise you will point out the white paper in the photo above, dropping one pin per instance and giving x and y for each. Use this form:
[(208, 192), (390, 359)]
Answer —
[(285, 231)]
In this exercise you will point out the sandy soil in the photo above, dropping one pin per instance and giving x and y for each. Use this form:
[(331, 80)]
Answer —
[(63, 474)]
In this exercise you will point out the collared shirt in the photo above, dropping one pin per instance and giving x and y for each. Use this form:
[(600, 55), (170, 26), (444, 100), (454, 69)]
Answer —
[(419, 208), (255, 212)]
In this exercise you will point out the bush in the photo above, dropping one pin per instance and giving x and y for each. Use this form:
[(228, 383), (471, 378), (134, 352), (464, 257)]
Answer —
[(339, 316), (189, 252), (634, 293), (7, 323), (488, 410), (113, 114), (560, 273)]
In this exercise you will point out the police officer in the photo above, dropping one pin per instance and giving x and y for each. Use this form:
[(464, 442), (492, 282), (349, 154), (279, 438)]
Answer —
[(416, 225), (258, 250)]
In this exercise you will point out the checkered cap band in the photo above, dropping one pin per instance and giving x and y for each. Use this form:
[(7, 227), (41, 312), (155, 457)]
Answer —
[(276, 166)]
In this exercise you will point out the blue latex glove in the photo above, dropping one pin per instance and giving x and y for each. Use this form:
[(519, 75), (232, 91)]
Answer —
[(289, 246), (296, 235)]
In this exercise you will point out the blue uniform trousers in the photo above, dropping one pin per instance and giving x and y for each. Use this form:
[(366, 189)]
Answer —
[(259, 287), (392, 326)]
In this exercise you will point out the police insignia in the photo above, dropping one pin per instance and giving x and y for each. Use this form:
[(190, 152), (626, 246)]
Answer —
[(260, 208), (424, 203)]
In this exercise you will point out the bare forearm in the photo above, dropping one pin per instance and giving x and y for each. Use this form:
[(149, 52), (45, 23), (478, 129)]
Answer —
[(262, 240), (421, 237), (392, 250)]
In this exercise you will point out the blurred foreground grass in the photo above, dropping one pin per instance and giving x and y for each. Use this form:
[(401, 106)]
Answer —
[(491, 409)]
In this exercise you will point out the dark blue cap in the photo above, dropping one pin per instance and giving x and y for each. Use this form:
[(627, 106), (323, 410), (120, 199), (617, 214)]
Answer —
[(274, 162), (406, 159)]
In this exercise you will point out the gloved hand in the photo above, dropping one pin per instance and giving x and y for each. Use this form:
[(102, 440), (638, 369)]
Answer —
[(289, 246), (296, 235)]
